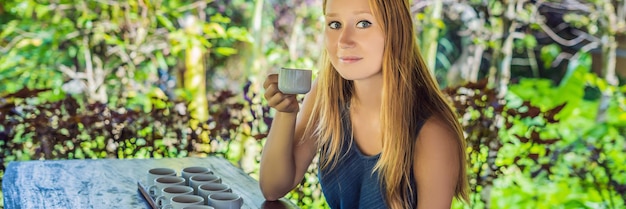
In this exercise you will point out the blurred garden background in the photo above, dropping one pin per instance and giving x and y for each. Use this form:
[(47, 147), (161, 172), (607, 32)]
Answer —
[(539, 86)]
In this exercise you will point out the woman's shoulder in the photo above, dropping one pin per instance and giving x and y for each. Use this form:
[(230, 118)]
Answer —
[(437, 162), (435, 129)]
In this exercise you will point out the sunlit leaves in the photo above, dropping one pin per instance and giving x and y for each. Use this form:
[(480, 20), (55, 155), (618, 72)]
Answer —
[(577, 20), (239, 33), (167, 23), (549, 53), (219, 18), (496, 8), (8, 28), (214, 30), (530, 41), (226, 51)]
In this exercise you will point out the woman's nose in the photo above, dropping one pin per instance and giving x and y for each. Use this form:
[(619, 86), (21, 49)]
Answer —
[(346, 38)]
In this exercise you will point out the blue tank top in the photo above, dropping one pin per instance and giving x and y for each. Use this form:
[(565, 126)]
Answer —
[(352, 184)]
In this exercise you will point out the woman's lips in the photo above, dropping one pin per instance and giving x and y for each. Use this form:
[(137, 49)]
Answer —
[(349, 59)]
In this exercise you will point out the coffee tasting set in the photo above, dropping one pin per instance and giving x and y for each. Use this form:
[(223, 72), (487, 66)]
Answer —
[(196, 188)]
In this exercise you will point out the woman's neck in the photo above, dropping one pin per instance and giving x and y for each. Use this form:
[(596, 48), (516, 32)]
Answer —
[(368, 94)]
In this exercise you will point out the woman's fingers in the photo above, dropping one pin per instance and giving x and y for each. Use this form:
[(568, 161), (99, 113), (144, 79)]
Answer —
[(288, 104), (284, 102), (276, 99), (270, 91), (283, 105), (271, 79)]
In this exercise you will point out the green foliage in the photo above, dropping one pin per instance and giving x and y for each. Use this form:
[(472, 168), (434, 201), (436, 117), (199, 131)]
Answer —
[(536, 149), (94, 80), (582, 168), (104, 48), (75, 129), (542, 146), (549, 53), (486, 119)]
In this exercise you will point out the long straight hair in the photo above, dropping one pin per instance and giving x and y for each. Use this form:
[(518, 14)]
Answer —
[(410, 94)]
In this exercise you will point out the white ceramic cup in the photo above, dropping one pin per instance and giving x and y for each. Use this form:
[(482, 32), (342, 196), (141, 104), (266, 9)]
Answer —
[(182, 201), (164, 181), (197, 180), (225, 200), (170, 191), (194, 170), (294, 81), (158, 172), (204, 190), (199, 207)]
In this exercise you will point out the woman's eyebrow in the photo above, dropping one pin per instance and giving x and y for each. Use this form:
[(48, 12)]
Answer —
[(332, 14)]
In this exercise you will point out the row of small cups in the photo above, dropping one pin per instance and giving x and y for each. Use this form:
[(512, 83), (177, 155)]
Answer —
[(196, 186)]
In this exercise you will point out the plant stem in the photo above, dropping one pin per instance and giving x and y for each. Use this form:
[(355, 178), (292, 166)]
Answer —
[(431, 35)]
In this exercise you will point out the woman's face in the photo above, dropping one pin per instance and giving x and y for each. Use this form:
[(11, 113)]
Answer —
[(354, 39)]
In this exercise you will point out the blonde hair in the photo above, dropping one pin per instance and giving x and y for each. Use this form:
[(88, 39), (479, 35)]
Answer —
[(410, 95)]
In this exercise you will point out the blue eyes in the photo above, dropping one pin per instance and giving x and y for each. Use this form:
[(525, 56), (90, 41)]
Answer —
[(363, 24), (334, 25), (360, 24)]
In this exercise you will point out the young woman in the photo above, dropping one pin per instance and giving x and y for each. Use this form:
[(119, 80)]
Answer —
[(385, 135)]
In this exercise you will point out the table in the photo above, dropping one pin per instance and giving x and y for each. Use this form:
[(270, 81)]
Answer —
[(111, 183)]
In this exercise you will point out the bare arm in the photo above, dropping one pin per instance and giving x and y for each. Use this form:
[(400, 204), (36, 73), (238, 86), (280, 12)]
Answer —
[(284, 160), (436, 165)]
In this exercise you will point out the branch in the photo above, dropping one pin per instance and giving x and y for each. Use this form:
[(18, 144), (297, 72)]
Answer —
[(505, 66), (72, 35), (533, 62), (71, 73), (111, 3), (558, 38), (99, 74), (91, 83), (60, 7), (568, 6), (559, 58), (420, 5), (195, 5), (567, 56), (475, 67), (126, 59), (144, 9), (26, 33), (11, 44), (151, 47), (588, 47), (112, 50), (611, 18), (621, 15), (586, 35)]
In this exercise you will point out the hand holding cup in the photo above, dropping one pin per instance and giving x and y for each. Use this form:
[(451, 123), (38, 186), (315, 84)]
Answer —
[(294, 81), (281, 89)]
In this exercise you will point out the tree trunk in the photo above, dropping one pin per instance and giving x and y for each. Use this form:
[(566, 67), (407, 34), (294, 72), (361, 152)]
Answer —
[(609, 48), (431, 34), (195, 75)]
